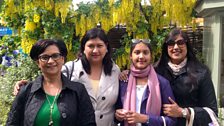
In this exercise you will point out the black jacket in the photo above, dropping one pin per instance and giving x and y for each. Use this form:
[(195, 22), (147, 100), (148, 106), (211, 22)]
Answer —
[(193, 87), (73, 103)]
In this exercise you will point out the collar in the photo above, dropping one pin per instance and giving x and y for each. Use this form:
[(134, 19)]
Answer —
[(38, 83)]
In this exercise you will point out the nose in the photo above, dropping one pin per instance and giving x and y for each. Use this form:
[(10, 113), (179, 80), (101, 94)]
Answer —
[(141, 55), (95, 49), (50, 60), (175, 46)]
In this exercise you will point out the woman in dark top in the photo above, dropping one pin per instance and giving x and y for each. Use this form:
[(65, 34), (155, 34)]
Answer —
[(190, 81), (47, 100)]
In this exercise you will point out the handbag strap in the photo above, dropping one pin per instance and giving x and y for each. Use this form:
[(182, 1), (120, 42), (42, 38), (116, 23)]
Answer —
[(191, 120), (69, 74), (164, 121), (212, 115)]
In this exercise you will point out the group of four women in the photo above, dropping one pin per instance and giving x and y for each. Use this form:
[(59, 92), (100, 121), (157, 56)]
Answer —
[(171, 94)]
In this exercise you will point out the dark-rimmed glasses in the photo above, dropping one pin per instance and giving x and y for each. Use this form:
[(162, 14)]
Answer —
[(179, 43), (141, 40), (45, 58)]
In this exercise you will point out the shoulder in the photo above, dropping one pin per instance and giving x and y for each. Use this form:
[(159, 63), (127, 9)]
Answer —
[(162, 80), (115, 68), (200, 69), (73, 85), (71, 63)]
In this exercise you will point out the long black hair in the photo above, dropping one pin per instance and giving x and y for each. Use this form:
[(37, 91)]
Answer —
[(192, 62), (107, 60)]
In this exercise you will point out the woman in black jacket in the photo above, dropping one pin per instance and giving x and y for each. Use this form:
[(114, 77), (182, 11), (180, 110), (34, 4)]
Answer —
[(47, 100), (190, 81)]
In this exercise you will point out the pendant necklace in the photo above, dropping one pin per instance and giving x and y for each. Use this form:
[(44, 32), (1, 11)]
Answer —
[(51, 108)]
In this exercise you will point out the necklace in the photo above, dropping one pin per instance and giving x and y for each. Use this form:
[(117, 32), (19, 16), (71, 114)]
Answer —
[(51, 108)]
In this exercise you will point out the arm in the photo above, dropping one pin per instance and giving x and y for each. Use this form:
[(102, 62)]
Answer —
[(87, 116), (166, 93), (18, 86), (206, 98), (16, 114), (119, 115)]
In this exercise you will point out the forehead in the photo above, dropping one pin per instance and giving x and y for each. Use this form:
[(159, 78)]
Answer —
[(51, 49), (141, 46), (178, 37), (95, 41)]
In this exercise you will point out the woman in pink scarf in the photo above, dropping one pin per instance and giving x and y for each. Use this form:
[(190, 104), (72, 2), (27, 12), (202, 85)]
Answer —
[(141, 98)]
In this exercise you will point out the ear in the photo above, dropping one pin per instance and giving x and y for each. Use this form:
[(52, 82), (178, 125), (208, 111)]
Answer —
[(38, 63), (130, 57)]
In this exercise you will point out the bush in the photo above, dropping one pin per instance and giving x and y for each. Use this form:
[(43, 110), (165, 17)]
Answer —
[(27, 69)]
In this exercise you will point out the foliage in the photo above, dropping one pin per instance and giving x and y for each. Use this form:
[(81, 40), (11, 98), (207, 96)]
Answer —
[(8, 44), (27, 70), (35, 19), (122, 54)]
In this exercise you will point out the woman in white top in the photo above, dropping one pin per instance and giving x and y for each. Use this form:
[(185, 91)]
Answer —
[(96, 70)]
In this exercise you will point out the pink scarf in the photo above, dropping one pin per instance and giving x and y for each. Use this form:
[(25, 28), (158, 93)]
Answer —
[(153, 105)]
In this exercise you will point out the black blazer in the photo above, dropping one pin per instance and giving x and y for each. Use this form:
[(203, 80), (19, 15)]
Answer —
[(73, 103)]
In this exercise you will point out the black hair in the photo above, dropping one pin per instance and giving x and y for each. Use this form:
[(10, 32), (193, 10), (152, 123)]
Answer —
[(107, 60), (164, 59), (40, 46), (192, 62)]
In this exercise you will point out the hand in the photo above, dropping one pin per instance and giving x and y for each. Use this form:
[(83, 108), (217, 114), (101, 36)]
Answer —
[(172, 109), (124, 76), (18, 85), (133, 117), (120, 114)]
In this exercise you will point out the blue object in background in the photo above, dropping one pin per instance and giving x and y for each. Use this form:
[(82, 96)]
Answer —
[(5, 31)]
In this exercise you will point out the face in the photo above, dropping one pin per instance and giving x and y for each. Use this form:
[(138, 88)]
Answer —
[(141, 56), (178, 50), (52, 65), (95, 50)]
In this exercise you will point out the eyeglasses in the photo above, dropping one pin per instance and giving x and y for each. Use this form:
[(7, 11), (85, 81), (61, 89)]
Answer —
[(45, 58), (141, 40), (179, 43)]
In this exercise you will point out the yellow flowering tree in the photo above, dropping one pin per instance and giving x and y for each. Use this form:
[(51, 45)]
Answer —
[(36, 19)]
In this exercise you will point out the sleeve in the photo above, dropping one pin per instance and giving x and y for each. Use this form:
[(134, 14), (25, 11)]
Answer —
[(206, 98), (16, 113), (118, 104), (87, 115), (166, 92)]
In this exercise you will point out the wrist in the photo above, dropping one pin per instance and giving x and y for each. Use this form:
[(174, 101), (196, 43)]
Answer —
[(147, 120), (184, 112)]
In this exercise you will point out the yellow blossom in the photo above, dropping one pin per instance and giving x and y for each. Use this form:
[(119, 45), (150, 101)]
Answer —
[(36, 18), (30, 26)]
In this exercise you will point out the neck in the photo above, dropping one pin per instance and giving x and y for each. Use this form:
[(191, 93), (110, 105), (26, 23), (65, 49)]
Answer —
[(52, 84), (96, 71), (142, 81)]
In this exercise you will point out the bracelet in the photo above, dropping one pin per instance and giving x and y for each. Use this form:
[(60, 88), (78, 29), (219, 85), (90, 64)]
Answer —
[(147, 122)]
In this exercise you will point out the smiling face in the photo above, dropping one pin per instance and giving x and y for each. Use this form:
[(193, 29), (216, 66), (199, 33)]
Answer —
[(177, 52), (141, 56), (95, 50), (54, 64)]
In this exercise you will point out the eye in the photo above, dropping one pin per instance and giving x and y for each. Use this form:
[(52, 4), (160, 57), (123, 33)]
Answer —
[(91, 46), (99, 46), (137, 52), (180, 42), (44, 57), (56, 55), (146, 52)]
